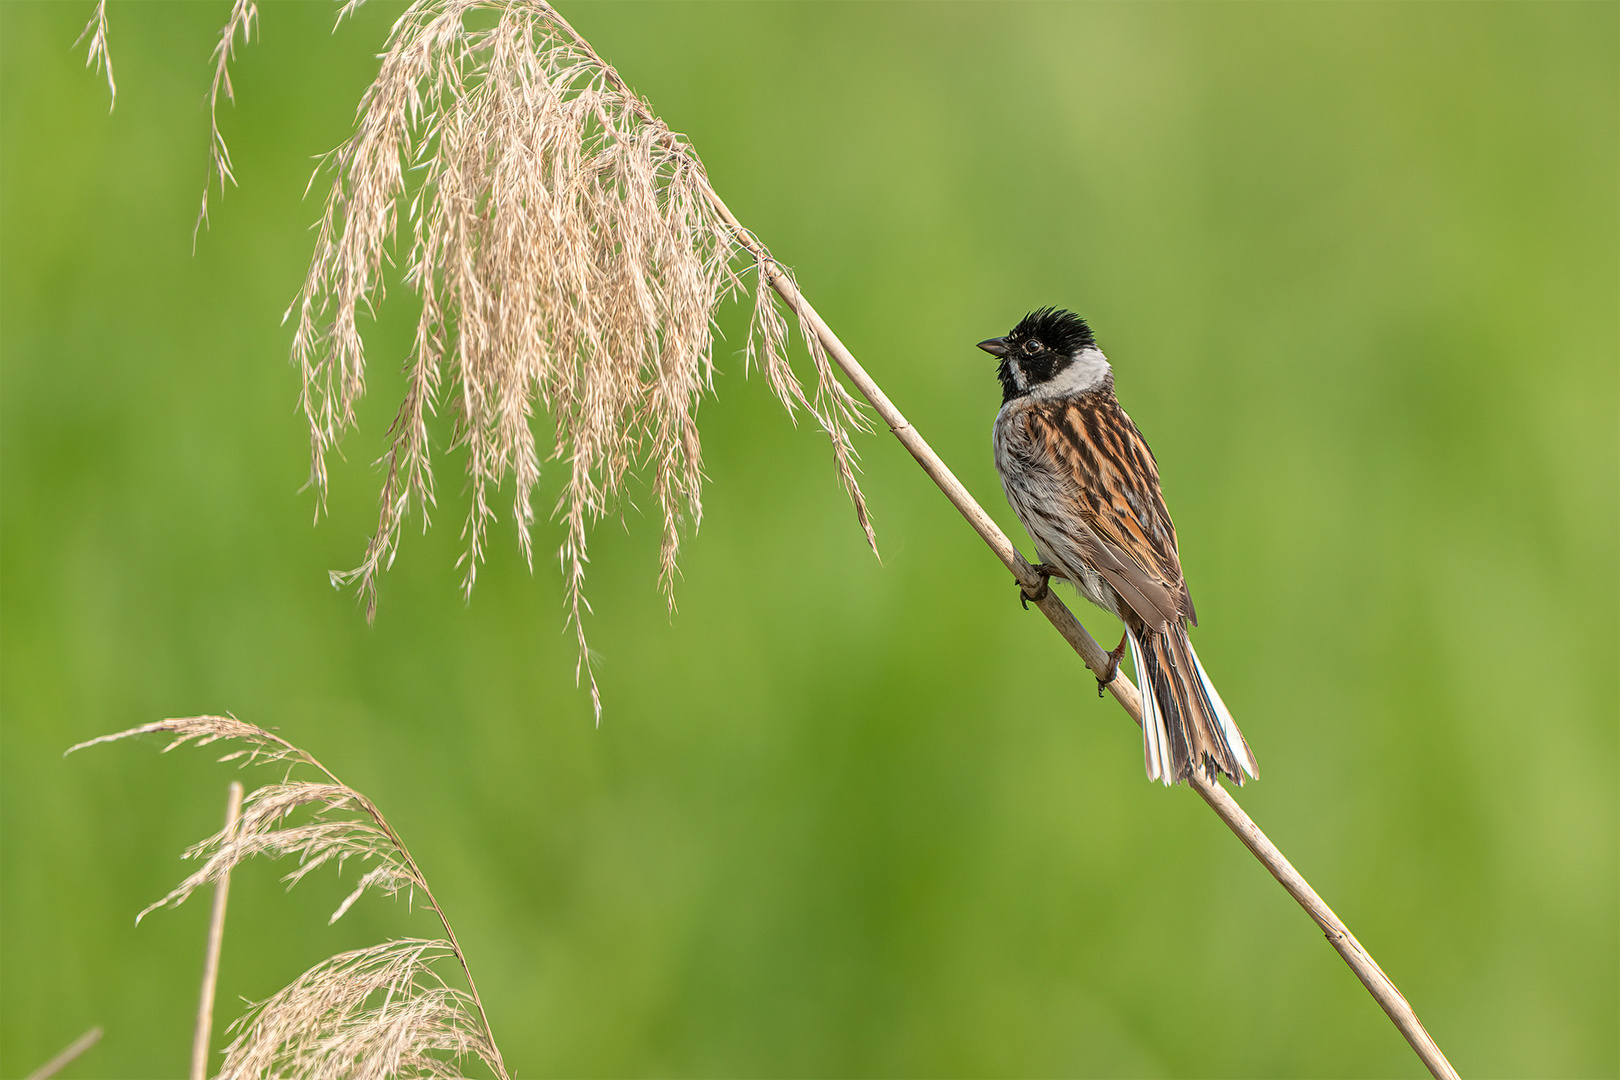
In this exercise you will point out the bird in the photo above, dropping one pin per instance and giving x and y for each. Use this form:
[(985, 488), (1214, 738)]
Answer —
[(1085, 485)]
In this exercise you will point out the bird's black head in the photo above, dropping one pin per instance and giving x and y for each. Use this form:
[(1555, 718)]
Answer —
[(1043, 345)]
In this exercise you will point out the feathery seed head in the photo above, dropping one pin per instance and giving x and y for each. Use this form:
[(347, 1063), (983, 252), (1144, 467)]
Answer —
[(379, 1012), (569, 258)]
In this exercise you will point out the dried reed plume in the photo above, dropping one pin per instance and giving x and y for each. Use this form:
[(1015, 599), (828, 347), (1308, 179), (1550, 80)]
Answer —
[(568, 259), (378, 1012)]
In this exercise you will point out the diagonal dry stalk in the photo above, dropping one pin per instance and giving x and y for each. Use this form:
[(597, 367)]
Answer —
[(1125, 692), (1378, 984), (325, 1025), (67, 1056)]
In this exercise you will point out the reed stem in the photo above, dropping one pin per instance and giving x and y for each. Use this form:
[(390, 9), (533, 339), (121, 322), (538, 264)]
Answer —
[(68, 1055), (216, 939), (1361, 962)]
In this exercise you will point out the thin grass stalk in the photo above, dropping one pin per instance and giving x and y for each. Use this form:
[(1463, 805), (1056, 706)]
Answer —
[(216, 940), (69, 1054)]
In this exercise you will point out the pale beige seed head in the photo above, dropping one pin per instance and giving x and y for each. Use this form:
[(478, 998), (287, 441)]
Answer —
[(568, 260), (371, 1013)]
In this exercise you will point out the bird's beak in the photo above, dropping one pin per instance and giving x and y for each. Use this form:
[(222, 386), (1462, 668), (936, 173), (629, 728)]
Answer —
[(996, 346)]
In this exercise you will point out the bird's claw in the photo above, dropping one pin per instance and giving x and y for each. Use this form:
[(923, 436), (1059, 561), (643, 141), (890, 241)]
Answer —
[(1024, 596), (1113, 665)]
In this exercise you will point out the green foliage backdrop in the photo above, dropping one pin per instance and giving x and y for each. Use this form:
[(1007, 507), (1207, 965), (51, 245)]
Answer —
[(1356, 266)]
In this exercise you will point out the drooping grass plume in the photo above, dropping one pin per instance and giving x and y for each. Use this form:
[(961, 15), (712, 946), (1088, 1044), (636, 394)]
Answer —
[(569, 257), (97, 54), (377, 1012), (568, 260), (380, 1012), (244, 13)]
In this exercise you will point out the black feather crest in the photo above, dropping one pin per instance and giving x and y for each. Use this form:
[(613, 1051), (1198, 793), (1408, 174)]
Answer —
[(1061, 331)]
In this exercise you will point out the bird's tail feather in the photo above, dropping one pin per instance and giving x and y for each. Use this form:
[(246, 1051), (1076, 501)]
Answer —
[(1185, 724), (1155, 739)]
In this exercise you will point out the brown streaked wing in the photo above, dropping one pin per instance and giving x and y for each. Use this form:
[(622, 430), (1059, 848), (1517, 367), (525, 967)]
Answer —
[(1117, 480)]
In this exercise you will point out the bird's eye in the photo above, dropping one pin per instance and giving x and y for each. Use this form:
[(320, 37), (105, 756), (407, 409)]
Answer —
[(1031, 347)]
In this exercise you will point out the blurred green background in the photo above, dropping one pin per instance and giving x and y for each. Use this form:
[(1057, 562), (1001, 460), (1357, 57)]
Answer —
[(1356, 266)]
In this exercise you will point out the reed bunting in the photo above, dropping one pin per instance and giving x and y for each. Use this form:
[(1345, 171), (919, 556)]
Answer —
[(1084, 483)]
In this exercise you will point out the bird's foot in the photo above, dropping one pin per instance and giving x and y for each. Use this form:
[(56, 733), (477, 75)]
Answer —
[(1113, 664), (1046, 571)]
